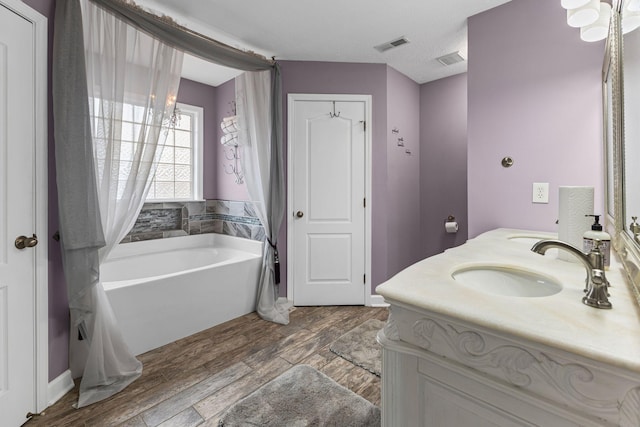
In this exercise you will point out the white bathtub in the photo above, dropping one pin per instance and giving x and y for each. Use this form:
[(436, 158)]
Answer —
[(166, 289)]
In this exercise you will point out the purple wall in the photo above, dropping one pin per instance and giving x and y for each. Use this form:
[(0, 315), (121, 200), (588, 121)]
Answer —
[(403, 172), (351, 78), (58, 305), (534, 94), (443, 162), (202, 95)]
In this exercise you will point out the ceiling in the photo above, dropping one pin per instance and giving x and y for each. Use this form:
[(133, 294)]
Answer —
[(330, 30)]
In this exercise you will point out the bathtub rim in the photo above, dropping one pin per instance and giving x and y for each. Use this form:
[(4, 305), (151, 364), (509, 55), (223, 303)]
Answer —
[(248, 250), (243, 256), (151, 246)]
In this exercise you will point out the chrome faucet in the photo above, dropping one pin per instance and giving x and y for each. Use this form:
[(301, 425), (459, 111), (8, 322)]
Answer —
[(596, 282)]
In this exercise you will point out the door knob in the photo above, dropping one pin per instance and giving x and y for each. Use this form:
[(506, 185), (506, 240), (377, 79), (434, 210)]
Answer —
[(299, 214), (26, 242)]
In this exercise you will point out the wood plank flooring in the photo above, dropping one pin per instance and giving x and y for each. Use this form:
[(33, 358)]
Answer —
[(191, 382)]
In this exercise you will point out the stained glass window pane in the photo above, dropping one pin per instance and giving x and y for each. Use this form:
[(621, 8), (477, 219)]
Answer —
[(165, 190), (183, 156), (183, 190), (183, 138), (165, 172), (183, 173), (138, 114), (185, 123), (167, 155)]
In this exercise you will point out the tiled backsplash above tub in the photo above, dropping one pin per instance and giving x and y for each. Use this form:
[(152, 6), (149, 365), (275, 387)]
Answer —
[(172, 219)]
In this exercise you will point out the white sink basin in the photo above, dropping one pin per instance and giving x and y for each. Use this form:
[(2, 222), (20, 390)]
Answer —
[(527, 240), (504, 281), (531, 240)]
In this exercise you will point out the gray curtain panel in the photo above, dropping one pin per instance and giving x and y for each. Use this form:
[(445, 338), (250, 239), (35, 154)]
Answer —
[(81, 231), (80, 226), (277, 205)]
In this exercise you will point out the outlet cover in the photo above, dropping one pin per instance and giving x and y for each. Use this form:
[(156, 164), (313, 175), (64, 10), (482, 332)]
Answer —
[(540, 192)]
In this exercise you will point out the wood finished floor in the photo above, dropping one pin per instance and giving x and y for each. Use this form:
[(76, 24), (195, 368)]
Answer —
[(191, 382)]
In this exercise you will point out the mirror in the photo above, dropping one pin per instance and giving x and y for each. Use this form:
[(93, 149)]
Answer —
[(621, 100), (631, 96), (607, 102)]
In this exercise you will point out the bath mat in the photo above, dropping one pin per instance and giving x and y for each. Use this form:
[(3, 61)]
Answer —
[(359, 346), (302, 396)]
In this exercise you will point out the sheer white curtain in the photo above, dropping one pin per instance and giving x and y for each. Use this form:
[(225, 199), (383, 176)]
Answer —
[(261, 163), (132, 82)]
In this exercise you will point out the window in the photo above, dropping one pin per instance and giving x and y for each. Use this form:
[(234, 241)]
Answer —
[(179, 172)]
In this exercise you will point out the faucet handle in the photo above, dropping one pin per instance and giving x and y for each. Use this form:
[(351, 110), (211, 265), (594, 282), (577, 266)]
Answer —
[(597, 295), (596, 258)]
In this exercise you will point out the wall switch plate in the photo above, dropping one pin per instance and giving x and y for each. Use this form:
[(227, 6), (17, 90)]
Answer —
[(540, 192)]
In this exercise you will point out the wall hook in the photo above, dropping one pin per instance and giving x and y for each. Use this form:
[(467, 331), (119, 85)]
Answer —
[(231, 153), (233, 108), (334, 114)]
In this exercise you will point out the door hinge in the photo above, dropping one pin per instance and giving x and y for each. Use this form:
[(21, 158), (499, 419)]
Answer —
[(364, 123), (364, 202), (364, 278)]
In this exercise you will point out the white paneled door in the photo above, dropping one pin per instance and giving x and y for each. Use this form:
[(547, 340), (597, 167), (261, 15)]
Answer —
[(327, 218), (18, 135)]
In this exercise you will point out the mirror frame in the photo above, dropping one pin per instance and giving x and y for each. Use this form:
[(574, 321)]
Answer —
[(613, 79)]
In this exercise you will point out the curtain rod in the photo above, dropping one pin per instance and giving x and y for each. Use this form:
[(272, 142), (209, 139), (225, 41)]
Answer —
[(169, 31)]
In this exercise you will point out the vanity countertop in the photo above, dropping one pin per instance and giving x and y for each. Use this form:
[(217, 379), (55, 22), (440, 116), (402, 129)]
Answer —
[(560, 321)]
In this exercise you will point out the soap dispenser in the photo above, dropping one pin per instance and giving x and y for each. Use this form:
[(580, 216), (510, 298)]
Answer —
[(589, 238)]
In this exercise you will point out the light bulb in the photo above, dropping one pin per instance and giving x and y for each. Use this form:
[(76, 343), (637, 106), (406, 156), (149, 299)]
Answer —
[(633, 5), (630, 21), (584, 15), (572, 4), (599, 30)]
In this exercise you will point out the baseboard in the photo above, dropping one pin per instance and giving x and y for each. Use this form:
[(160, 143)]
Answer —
[(59, 387), (378, 301), (374, 301)]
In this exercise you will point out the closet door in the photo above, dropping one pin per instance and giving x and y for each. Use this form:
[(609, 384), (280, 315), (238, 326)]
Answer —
[(18, 219), (328, 217)]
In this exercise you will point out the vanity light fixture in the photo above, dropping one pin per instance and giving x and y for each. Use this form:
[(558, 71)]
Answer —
[(591, 16), (584, 15), (599, 29), (572, 4)]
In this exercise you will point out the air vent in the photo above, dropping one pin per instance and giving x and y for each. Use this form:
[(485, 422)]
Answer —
[(390, 45), (450, 59)]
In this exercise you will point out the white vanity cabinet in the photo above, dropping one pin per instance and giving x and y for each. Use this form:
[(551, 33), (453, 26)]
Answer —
[(456, 356)]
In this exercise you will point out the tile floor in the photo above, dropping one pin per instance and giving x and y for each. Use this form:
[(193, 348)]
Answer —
[(191, 382)]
